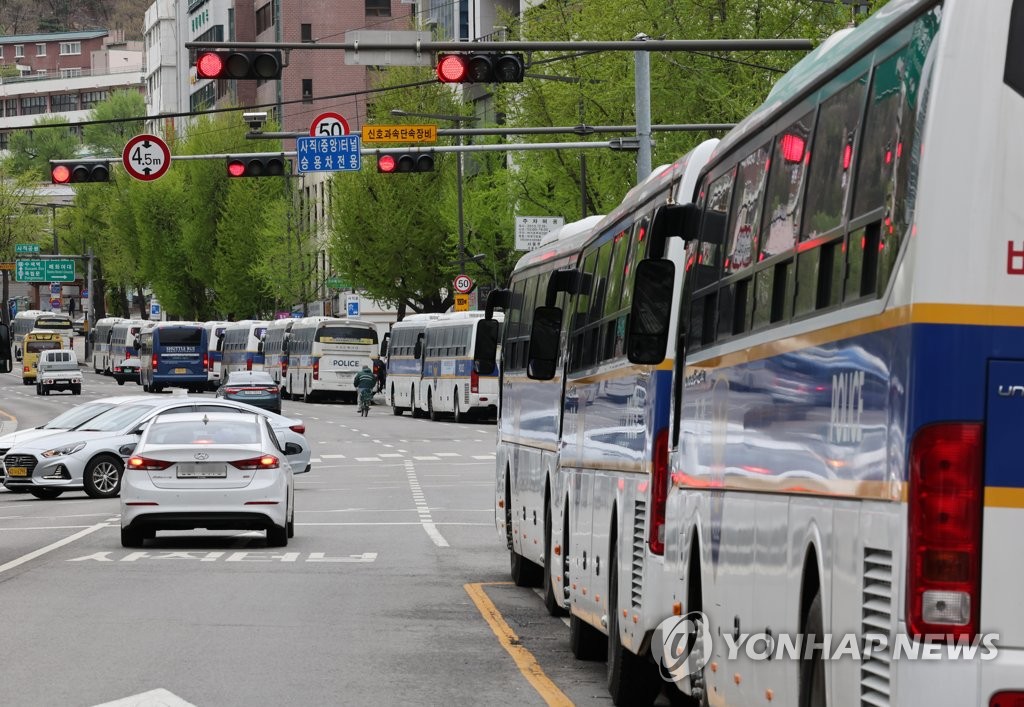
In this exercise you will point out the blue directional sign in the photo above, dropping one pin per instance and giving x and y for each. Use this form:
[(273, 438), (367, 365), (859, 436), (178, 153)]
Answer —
[(352, 305), (329, 153), (154, 309)]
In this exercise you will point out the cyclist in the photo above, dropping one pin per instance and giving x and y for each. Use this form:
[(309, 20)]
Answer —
[(365, 381)]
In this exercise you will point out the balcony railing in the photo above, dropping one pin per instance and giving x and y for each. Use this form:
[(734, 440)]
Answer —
[(27, 78)]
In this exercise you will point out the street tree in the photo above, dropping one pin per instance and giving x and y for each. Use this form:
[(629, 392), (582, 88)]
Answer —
[(109, 138), (30, 151), (19, 223)]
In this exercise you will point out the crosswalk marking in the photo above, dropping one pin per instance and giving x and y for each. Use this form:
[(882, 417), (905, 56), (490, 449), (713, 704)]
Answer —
[(427, 459), (332, 456), (367, 459), (448, 454), (484, 456)]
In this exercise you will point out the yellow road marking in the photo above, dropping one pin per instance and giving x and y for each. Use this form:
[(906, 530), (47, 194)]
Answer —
[(524, 660), (9, 416)]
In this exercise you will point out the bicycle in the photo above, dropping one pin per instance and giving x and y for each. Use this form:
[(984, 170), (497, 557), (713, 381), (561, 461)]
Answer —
[(364, 402)]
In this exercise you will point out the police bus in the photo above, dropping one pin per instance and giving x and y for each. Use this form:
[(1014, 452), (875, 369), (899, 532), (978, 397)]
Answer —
[(173, 355), (214, 333), (405, 362), (101, 344), (275, 348), (241, 346), (324, 355)]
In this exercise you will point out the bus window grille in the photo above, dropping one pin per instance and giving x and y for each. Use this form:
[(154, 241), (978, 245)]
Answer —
[(465, 394), (876, 618), (639, 518)]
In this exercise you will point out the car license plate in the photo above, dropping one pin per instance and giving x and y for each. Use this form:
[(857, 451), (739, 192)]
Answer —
[(202, 471), (180, 371), (17, 471)]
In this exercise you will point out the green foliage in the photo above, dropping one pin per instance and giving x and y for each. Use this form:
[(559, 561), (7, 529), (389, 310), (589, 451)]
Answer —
[(109, 139), (30, 151)]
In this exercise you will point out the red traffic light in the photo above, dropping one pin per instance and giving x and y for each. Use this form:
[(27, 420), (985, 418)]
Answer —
[(405, 163), (386, 164), (452, 68), (239, 65), (210, 65), (236, 168), (258, 166), (61, 174)]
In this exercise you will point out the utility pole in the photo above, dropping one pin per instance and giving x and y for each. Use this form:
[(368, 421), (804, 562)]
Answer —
[(642, 90), (90, 316)]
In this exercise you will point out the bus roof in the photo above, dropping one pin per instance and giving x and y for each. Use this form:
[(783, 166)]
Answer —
[(569, 238)]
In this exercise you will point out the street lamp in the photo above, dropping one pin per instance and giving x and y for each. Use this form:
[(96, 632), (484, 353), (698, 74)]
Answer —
[(458, 120)]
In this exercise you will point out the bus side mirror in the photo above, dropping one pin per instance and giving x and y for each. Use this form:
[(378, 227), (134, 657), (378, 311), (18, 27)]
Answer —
[(651, 313), (385, 342), (545, 338), (259, 347), (6, 364), (417, 350), (485, 356), (220, 344)]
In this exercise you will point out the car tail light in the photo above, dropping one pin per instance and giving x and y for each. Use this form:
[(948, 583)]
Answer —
[(316, 369), (117, 369), (945, 530), (147, 464), (272, 391), (232, 391), (298, 429), (156, 361), (267, 461), (659, 494), (474, 382), (1012, 698)]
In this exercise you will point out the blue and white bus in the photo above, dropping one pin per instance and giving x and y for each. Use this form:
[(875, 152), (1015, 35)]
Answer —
[(241, 346), (275, 348), (450, 383), (101, 350), (325, 354), (173, 355), (214, 333), (405, 362), (584, 425)]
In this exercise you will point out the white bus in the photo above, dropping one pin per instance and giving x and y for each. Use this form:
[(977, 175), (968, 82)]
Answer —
[(451, 384), (214, 360), (844, 456), (33, 319), (22, 324), (123, 338), (405, 362), (101, 354), (275, 349), (241, 346), (582, 462), (324, 355)]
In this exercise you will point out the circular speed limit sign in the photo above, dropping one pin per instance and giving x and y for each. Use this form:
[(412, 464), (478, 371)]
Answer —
[(146, 157), (463, 284), (327, 124)]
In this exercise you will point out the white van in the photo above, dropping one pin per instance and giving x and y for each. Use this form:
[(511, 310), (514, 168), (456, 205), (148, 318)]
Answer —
[(58, 370)]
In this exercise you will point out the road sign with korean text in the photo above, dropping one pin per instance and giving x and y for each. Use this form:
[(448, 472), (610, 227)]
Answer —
[(334, 153), (20, 248), (399, 133), (40, 270), (461, 303)]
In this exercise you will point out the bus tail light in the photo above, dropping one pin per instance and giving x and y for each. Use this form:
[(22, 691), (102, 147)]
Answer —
[(284, 367), (1011, 698), (316, 369), (206, 362), (945, 511), (659, 494), (474, 382), (248, 363), (156, 361)]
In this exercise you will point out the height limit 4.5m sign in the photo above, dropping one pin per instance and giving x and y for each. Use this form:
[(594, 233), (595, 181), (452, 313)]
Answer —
[(146, 157)]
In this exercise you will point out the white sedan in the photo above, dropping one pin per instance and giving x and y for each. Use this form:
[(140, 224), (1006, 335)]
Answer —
[(219, 471)]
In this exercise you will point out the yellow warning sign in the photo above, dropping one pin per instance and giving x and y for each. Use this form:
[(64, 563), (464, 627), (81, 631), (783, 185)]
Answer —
[(399, 133), (461, 303)]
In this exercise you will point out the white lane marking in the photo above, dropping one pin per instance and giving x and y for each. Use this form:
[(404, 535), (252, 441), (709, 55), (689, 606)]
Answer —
[(366, 434), (391, 456), (483, 432), (332, 456), (367, 459), (448, 454), (47, 527), (315, 460), (404, 451), (390, 446), (424, 524), (160, 697), (483, 456), (421, 506), (52, 546), (427, 459)]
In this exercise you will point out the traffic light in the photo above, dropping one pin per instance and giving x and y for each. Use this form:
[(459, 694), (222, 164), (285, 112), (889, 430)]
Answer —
[(274, 166), (263, 65), (407, 162), (480, 68), (75, 172)]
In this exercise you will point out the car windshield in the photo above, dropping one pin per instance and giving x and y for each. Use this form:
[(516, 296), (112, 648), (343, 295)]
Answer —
[(116, 419), (205, 432), (247, 378), (76, 416)]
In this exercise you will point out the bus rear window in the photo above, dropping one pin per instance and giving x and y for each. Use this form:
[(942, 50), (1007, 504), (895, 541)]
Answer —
[(43, 323), (37, 346), (181, 337), (346, 335)]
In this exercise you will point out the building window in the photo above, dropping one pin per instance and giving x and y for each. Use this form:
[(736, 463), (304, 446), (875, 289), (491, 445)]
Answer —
[(265, 18), (64, 102), (203, 98), (70, 73), (91, 98), (40, 72), (307, 90), (5, 136), (307, 32), (19, 51), (40, 50), (67, 48), (11, 107), (33, 105), (378, 8), (1, 52)]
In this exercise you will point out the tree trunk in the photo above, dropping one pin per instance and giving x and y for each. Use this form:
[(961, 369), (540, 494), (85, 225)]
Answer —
[(6, 316), (141, 298)]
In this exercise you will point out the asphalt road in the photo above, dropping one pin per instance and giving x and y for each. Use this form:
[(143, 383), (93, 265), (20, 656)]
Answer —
[(381, 598)]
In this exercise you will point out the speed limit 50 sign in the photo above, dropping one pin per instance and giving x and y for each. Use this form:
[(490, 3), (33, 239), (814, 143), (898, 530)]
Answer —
[(328, 124), (463, 284)]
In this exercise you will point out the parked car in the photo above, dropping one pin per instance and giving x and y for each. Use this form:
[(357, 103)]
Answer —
[(252, 387), (91, 457), (58, 370), (217, 471), (126, 370)]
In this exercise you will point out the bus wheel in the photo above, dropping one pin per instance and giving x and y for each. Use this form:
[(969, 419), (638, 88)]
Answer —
[(459, 415), (307, 397), (550, 600), (395, 410), (434, 415), (812, 669), (416, 412), (632, 679)]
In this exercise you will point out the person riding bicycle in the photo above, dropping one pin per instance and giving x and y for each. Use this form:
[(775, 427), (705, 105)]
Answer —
[(365, 381)]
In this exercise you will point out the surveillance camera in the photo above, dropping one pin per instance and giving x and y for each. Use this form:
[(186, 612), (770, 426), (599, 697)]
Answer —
[(255, 120)]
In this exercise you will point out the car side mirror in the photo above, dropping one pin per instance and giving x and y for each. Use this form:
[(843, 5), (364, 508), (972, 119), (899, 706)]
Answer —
[(651, 313), (291, 449), (137, 431), (486, 346), (545, 337), (127, 450)]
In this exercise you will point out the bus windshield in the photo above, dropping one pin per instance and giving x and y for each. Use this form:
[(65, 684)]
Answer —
[(340, 334)]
